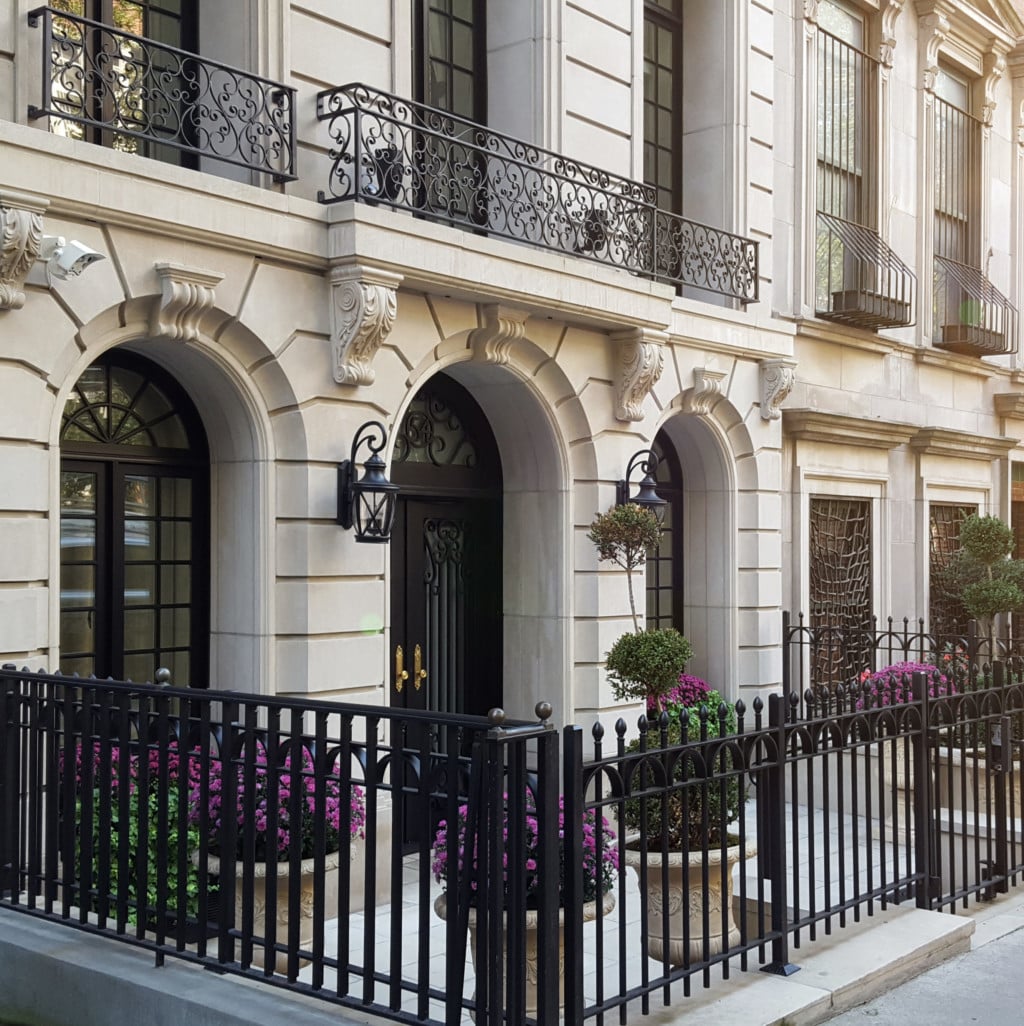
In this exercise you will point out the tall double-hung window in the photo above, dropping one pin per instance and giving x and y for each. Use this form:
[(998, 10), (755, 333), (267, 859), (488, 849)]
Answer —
[(858, 279), (663, 101), (970, 315)]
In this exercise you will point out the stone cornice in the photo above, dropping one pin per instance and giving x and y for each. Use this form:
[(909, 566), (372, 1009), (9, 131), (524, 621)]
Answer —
[(935, 441), (186, 293), (364, 304), (639, 358), (1009, 404), (21, 234), (838, 429)]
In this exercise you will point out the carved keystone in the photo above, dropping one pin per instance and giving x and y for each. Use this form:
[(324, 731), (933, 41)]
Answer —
[(777, 380), (21, 233), (503, 325), (186, 293), (707, 390), (364, 304), (638, 365)]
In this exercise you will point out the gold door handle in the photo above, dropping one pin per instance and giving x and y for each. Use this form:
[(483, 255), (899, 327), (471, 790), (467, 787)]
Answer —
[(401, 675), (418, 673)]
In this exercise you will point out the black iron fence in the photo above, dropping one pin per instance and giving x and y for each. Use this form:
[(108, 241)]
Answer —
[(140, 95), (409, 156), (449, 866)]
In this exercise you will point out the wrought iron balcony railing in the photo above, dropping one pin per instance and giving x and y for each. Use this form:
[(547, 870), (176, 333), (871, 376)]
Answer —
[(859, 280), (972, 317), (142, 96), (406, 155)]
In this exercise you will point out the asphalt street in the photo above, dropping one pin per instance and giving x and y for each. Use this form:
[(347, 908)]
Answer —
[(982, 986)]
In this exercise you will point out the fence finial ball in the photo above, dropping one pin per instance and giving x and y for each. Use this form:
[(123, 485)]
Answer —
[(496, 717), (543, 711), (162, 677)]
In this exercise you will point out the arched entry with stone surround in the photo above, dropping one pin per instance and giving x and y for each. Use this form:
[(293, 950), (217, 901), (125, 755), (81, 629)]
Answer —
[(703, 565), (134, 525), (446, 563), (235, 393)]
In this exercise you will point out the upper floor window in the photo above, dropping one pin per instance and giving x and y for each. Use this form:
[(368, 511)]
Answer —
[(450, 58), (858, 279), (127, 74), (846, 77), (663, 101), (957, 168)]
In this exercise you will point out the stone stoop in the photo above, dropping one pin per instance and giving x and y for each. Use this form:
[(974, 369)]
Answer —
[(836, 973)]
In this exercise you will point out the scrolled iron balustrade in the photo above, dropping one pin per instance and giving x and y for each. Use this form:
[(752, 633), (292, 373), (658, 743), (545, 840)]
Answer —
[(403, 154), (131, 92)]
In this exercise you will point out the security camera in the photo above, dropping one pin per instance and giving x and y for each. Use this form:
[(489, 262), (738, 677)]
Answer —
[(70, 259)]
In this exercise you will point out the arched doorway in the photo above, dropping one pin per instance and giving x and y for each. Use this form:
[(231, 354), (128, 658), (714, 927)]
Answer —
[(446, 560), (134, 525)]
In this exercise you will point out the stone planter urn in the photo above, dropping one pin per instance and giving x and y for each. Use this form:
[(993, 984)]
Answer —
[(589, 914), (261, 885), (670, 904)]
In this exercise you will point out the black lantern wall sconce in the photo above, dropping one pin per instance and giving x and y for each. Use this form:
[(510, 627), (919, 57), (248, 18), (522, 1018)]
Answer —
[(368, 504), (646, 460)]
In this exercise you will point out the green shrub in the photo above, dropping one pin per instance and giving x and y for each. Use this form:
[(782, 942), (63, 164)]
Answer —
[(647, 665), (700, 798)]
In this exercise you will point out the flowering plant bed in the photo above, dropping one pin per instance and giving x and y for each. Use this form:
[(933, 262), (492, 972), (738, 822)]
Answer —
[(118, 869), (600, 854), (692, 709), (893, 685), (270, 806)]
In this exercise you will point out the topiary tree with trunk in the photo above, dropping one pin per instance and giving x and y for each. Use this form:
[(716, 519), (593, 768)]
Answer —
[(983, 573), (644, 664)]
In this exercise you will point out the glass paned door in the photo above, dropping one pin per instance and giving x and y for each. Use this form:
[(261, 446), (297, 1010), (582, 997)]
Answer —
[(81, 612)]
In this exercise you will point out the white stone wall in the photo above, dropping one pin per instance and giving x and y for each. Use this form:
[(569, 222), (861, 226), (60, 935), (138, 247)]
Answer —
[(540, 338)]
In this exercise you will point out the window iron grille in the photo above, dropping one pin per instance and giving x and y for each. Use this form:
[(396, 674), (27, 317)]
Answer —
[(946, 614), (840, 585), (859, 280)]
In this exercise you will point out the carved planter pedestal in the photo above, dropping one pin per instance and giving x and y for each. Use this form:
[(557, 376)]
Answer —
[(589, 914), (661, 904), (261, 888)]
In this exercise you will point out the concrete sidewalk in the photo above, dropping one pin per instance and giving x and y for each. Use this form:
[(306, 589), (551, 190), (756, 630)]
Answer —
[(55, 976)]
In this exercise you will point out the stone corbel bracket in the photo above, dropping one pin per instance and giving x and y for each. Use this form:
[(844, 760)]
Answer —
[(364, 304), (995, 68), (21, 234), (933, 30), (707, 390), (639, 359), (186, 294), (891, 10), (503, 326), (777, 380)]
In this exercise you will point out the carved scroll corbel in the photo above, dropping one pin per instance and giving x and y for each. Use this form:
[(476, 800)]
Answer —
[(777, 380), (640, 357), (995, 68), (891, 10), (21, 234), (186, 294), (364, 304), (503, 325), (707, 390), (933, 30)]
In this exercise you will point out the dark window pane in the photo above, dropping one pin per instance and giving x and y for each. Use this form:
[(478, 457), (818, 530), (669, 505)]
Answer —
[(140, 540), (77, 586), (176, 540), (76, 630), (139, 584)]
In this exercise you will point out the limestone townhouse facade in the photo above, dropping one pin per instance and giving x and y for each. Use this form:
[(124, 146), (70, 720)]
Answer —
[(780, 244)]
